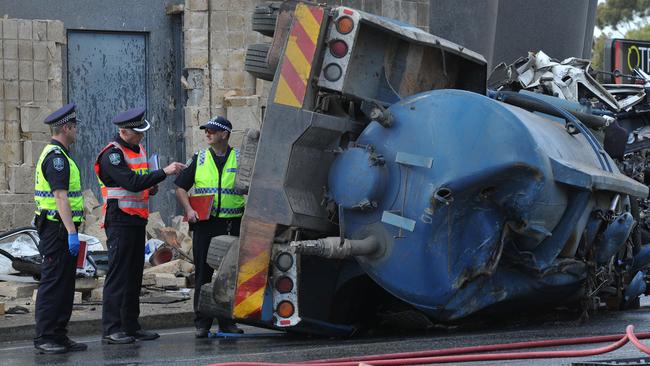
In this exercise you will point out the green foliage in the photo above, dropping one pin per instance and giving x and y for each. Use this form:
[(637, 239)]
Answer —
[(615, 13), (640, 34), (597, 52)]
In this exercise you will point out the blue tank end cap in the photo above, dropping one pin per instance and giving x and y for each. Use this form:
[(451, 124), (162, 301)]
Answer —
[(357, 178)]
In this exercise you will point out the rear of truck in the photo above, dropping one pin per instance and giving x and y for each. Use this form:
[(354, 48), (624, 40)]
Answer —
[(337, 70)]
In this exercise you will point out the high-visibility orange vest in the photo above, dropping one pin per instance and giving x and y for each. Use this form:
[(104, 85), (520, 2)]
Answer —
[(132, 203)]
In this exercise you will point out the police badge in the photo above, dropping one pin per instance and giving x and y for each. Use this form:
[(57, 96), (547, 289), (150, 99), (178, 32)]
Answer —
[(58, 164), (114, 158)]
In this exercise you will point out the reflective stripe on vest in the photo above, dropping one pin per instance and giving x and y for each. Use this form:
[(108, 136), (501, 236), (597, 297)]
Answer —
[(228, 202), (43, 195), (132, 203)]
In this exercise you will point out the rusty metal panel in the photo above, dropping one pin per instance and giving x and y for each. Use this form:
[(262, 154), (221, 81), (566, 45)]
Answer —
[(106, 75)]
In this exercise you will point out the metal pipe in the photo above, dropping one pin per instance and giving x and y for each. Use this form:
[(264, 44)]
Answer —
[(331, 247)]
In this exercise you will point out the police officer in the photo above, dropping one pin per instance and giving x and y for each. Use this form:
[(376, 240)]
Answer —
[(59, 211), (126, 184), (211, 171)]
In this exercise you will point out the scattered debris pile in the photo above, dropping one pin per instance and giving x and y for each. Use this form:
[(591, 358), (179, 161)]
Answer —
[(168, 274)]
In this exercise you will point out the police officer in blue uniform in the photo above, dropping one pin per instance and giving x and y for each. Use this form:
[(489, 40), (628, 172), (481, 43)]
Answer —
[(125, 227), (59, 201)]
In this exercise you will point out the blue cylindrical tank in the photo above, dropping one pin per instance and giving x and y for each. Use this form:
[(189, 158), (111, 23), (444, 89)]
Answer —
[(475, 202)]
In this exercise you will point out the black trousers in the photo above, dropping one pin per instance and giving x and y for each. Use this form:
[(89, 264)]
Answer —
[(204, 231), (56, 287), (124, 278)]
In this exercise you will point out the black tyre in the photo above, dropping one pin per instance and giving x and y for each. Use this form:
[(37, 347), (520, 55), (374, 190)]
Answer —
[(264, 18), (219, 246), (255, 61), (207, 306)]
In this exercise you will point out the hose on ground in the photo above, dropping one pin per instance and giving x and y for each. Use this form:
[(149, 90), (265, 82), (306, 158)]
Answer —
[(469, 354)]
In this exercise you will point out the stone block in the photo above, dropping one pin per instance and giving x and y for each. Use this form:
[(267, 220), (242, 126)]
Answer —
[(32, 151), (40, 91), (40, 70), (172, 267), (148, 279), (26, 70), (196, 58), (10, 111), (196, 38), (39, 50), (11, 153), (219, 5), (195, 116), (39, 28), (12, 92), (78, 298), (409, 12), (24, 212), (85, 284), (25, 50), (53, 52), (97, 294), (237, 20), (240, 5), (165, 280), (35, 136), (20, 178), (235, 79), (236, 60), (423, 15), (3, 178), (241, 101), (390, 9), (26, 90), (10, 28), (219, 59), (55, 31), (194, 5), (195, 20), (17, 289), (32, 117), (24, 29), (219, 21), (12, 130), (6, 216), (236, 39), (54, 91), (10, 70), (10, 49)]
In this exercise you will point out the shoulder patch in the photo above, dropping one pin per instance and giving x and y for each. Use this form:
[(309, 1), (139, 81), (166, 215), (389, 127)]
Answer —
[(115, 158), (58, 164)]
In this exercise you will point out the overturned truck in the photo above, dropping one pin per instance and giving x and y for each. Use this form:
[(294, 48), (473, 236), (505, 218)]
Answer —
[(385, 183)]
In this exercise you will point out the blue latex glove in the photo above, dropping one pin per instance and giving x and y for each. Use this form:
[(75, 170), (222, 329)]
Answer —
[(73, 243)]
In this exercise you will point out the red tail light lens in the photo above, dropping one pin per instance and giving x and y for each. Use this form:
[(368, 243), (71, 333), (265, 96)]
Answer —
[(284, 284), (338, 48), (285, 309), (284, 261), (344, 25)]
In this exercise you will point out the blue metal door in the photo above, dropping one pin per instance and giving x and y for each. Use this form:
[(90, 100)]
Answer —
[(106, 75)]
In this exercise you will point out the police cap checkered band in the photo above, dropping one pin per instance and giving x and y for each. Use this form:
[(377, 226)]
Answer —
[(62, 116)]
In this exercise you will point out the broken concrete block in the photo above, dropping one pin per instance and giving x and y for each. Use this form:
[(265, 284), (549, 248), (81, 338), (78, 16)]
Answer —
[(172, 267), (97, 294), (180, 225), (78, 298), (170, 236), (17, 290), (85, 284), (170, 280), (155, 222), (148, 279), (2, 308)]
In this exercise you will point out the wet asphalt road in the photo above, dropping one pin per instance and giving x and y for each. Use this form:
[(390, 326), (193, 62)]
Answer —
[(178, 346)]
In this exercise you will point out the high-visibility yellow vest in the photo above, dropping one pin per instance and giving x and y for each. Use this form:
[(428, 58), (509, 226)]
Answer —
[(207, 181), (44, 196)]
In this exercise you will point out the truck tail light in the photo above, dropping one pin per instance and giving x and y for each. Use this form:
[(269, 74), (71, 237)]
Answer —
[(284, 261), (344, 25), (332, 72), (285, 309), (338, 48), (284, 285)]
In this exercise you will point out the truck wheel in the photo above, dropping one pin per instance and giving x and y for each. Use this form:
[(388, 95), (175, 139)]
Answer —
[(255, 61), (219, 246), (207, 305), (264, 18)]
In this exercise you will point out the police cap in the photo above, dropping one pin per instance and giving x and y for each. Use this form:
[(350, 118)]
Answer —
[(218, 124), (133, 119), (62, 116)]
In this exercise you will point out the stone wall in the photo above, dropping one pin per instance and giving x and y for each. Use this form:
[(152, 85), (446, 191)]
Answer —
[(216, 34), (30, 87)]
